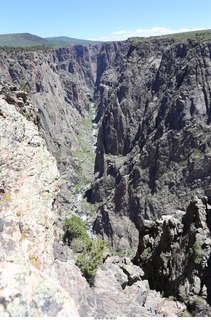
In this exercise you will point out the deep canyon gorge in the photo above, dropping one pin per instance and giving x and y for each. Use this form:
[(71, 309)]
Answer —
[(118, 133)]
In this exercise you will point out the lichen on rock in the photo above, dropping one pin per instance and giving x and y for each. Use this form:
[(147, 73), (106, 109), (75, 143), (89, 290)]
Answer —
[(29, 185)]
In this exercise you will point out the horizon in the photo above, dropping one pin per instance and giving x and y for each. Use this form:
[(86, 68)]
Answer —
[(105, 21), (136, 36)]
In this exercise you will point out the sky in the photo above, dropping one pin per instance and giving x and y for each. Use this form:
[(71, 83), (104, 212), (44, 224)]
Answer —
[(103, 19)]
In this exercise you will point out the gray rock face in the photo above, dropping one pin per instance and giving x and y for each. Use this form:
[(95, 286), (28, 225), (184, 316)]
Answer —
[(175, 251), (29, 184), (26, 292), (125, 293), (153, 148), (153, 116), (60, 83), (38, 275), (153, 154)]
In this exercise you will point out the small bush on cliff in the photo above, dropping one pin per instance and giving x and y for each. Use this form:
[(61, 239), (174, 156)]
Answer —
[(90, 251), (90, 259), (24, 87), (186, 313), (146, 254), (197, 252), (75, 228)]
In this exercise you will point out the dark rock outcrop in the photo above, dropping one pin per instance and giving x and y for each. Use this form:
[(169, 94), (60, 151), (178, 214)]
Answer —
[(153, 148), (175, 253)]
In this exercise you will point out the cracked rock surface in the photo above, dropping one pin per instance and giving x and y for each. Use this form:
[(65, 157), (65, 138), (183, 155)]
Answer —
[(29, 183)]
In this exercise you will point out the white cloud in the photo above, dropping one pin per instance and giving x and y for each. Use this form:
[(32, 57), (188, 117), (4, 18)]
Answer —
[(155, 31), (120, 32)]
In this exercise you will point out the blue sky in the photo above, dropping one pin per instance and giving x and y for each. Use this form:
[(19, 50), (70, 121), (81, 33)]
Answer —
[(103, 19)]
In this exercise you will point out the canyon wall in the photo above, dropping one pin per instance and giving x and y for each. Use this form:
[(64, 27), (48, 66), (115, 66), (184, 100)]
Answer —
[(38, 273), (153, 148), (60, 84), (153, 115), (152, 158)]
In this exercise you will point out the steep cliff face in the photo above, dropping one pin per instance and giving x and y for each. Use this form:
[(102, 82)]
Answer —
[(38, 274), (153, 148), (152, 154), (60, 83), (153, 101), (29, 184)]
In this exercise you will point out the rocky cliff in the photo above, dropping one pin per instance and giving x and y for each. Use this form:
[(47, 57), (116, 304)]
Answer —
[(29, 183), (60, 84), (174, 251), (38, 274), (153, 148), (152, 156)]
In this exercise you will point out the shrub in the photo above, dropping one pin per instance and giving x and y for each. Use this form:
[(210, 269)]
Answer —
[(75, 228), (197, 252), (186, 313), (90, 259), (24, 87), (146, 254), (91, 251), (77, 245)]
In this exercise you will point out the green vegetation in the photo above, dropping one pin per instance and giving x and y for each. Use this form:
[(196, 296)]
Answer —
[(82, 180), (84, 154), (75, 228), (197, 153), (197, 252), (172, 298), (91, 258), (149, 197), (202, 35), (183, 163), (137, 156), (58, 156), (21, 40), (18, 41), (199, 299), (124, 253), (196, 304), (27, 40), (146, 254), (186, 313), (90, 251), (68, 41), (24, 87)]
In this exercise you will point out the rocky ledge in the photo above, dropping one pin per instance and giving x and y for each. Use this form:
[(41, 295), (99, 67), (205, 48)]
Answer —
[(29, 182), (120, 290)]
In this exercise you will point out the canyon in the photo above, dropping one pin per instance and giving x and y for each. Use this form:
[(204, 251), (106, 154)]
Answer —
[(144, 187)]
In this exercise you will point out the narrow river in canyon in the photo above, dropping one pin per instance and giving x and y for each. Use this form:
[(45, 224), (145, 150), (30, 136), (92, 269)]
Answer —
[(78, 207)]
